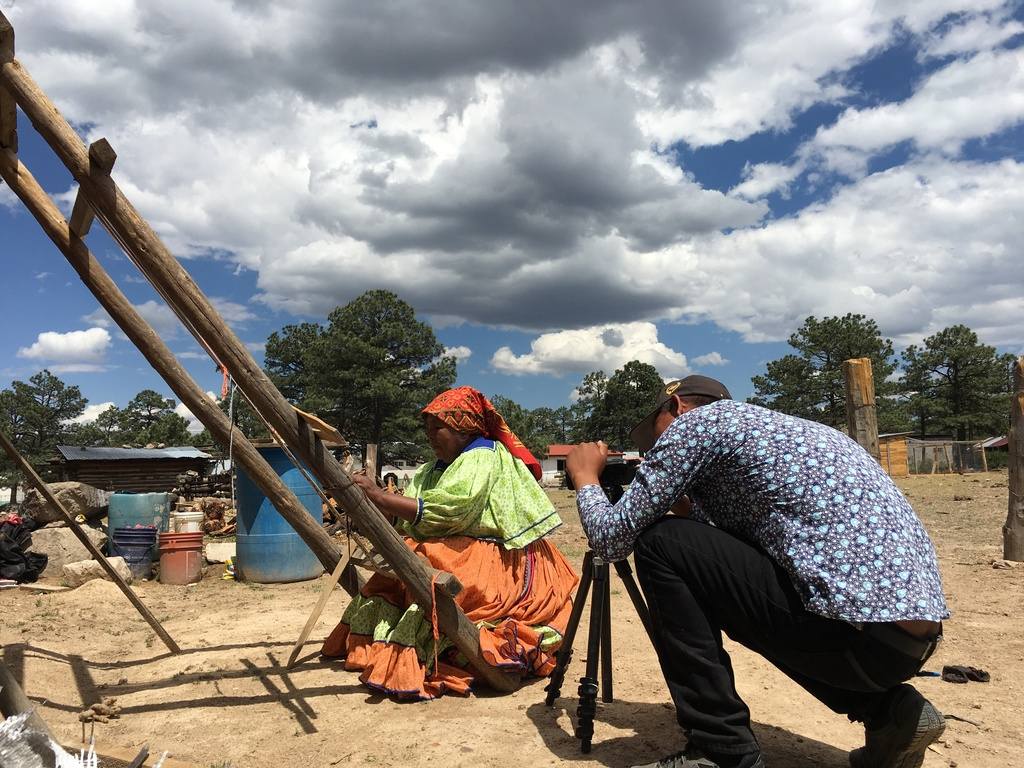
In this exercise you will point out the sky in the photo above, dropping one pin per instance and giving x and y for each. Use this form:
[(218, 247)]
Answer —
[(556, 188)]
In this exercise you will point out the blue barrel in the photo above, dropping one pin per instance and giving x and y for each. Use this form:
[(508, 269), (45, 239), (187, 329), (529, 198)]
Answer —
[(267, 549), (127, 510), (136, 546)]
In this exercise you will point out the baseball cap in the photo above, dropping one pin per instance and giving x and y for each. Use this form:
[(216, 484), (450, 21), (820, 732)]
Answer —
[(643, 433)]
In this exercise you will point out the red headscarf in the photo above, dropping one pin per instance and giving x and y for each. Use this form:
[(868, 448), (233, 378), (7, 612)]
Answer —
[(464, 409)]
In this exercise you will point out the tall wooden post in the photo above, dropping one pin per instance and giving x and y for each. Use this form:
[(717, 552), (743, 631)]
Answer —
[(861, 416), (1013, 530)]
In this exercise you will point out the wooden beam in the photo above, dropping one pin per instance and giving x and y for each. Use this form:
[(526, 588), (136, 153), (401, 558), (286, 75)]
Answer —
[(13, 701), (44, 490), (861, 417), (1013, 530), (178, 288), (123, 312), (8, 107), (101, 158)]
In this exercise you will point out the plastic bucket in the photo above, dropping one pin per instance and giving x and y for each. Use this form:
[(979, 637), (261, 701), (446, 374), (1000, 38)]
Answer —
[(181, 558), (136, 546), (186, 522), (268, 549)]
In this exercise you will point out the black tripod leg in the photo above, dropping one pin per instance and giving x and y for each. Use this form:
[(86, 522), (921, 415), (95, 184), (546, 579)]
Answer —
[(606, 639), (588, 684), (554, 686), (626, 574)]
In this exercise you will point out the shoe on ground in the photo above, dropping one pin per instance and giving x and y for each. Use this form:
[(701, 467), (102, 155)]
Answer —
[(693, 758), (902, 740)]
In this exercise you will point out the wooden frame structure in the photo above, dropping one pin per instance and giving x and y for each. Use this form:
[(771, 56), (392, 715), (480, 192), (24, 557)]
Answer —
[(100, 197)]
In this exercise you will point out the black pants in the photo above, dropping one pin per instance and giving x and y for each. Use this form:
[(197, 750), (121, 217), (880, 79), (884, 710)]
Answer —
[(699, 581)]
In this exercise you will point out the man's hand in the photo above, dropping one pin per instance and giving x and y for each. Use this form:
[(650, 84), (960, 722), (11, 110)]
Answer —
[(585, 463)]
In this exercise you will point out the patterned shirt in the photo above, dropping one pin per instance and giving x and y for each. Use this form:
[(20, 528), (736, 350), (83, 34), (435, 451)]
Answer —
[(809, 496)]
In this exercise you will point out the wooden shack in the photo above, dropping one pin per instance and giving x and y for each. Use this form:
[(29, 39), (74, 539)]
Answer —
[(892, 453), (139, 470)]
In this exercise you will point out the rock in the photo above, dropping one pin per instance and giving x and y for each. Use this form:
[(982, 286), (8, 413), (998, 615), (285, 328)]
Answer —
[(77, 498), (76, 574), (219, 552), (1003, 564), (61, 546)]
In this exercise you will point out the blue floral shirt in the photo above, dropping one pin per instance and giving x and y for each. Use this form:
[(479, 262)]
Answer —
[(812, 498)]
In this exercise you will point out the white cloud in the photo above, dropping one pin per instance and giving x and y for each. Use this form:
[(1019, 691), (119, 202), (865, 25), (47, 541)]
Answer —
[(92, 412), (437, 151), (764, 178), (232, 312), (71, 352), (159, 316), (914, 247), (966, 99), (194, 425), (42, 275), (461, 352), (711, 358), (7, 198), (607, 348), (974, 33)]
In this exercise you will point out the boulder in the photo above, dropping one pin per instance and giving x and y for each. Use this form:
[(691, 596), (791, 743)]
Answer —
[(219, 552), (77, 498), (76, 574), (61, 546)]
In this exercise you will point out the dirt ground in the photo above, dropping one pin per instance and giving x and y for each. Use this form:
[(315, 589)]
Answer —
[(228, 701)]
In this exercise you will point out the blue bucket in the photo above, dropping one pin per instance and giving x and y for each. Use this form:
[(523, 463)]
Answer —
[(267, 549), (135, 545)]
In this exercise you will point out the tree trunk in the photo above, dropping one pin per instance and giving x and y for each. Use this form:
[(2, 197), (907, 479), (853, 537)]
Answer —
[(1013, 530)]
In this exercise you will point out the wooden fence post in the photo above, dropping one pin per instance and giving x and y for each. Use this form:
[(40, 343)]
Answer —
[(1013, 530), (861, 416)]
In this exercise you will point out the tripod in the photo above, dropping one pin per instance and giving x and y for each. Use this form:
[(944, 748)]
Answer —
[(599, 642)]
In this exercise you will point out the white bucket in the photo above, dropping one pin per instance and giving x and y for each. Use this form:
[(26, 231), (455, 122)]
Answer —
[(186, 522)]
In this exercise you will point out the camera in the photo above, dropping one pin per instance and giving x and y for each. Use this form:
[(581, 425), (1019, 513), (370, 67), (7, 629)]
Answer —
[(616, 475)]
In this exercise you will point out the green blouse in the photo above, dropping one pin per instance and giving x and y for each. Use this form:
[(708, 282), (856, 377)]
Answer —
[(485, 493)]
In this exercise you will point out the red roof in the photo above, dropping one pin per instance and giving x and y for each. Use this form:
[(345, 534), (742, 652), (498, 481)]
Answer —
[(560, 451)]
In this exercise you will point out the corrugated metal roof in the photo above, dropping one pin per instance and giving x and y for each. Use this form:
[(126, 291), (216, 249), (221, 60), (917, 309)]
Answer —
[(76, 453)]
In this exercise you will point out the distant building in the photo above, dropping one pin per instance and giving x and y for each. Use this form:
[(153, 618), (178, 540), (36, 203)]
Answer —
[(553, 463), (138, 470)]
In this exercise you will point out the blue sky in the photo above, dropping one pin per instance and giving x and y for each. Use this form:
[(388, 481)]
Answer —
[(680, 185)]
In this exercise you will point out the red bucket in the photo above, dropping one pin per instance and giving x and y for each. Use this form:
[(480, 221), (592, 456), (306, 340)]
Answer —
[(181, 558)]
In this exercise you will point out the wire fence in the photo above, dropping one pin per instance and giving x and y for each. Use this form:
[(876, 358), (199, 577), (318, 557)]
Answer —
[(940, 457)]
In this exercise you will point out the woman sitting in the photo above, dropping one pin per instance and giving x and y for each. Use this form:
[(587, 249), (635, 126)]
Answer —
[(478, 513)]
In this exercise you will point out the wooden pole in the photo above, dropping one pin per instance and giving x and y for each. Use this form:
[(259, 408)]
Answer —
[(13, 701), (8, 107), (861, 415), (371, 460), (176, 286), (110, 297), (44, 490), (1013, 530), (102, 156)]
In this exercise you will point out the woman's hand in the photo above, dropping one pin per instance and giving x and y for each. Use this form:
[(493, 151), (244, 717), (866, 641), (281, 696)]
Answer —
[(585, 463), (365, 482)]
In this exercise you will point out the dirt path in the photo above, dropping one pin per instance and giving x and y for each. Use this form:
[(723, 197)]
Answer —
[(228, 701)]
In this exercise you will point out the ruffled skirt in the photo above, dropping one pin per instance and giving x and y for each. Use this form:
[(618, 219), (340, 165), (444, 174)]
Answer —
[(519, 599)]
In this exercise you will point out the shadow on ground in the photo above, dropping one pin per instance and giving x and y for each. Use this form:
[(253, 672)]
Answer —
[(654, 733)]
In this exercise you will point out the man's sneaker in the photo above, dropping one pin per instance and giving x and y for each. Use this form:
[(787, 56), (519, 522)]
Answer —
[(901, 742), (694, 758)]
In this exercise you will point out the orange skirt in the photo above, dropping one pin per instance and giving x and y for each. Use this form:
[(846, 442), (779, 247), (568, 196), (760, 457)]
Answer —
[(519, 599)]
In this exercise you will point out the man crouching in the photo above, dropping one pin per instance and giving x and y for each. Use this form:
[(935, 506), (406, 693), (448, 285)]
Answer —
[(798, 545)]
